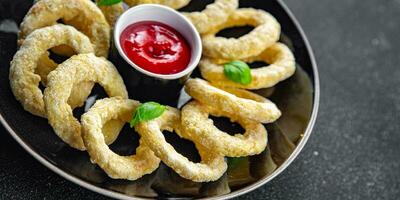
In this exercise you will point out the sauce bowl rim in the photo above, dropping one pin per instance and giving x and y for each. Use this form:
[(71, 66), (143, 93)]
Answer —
[(196, 45)]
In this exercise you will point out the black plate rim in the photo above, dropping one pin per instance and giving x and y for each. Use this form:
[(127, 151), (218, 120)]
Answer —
[(237, 193)]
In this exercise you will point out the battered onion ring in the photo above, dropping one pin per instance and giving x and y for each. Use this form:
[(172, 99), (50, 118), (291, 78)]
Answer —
[(77, 69), (79, 92), (111, 13), (116, 166), (23, 79), (212, 166), (213, 16), (282, 66), (175, 4), (84, 15), (195, 122), (245, 105), (266, 32)]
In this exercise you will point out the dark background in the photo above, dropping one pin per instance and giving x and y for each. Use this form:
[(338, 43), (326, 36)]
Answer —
[(354, 152)]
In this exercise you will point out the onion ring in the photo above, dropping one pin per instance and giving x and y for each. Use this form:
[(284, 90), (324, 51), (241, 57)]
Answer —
[(175, 4), (23, 80), (282, 66), (241, 103), (79, 92), (213, 16), (77, 69), (84, 15), (112, 12), (212, 166), (266, 33), (116, 166), (195, 122)]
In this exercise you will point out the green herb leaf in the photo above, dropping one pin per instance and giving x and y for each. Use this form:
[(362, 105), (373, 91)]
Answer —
[(238, 71), (108, 2), (233, 163), (146, 112)]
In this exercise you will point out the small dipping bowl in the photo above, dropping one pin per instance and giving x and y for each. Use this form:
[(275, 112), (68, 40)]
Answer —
[(144, 85)]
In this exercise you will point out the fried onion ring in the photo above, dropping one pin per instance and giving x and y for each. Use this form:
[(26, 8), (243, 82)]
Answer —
[(241, 103), (195, 122), (77, 69), (213, 16), (116, 166), (266, 33), (282, 66), (79, 92), (212, 166), (23, 79), (84, 15), (112, 12), (175, 4)]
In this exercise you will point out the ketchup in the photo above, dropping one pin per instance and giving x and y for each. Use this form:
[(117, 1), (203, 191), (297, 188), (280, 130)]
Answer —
[(156, 47)]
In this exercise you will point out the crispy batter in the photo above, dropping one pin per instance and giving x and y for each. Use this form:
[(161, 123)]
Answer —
[(195, 122), (84, 15), (175, 4), (212, 166), (23, 79), (282, 66), (79, 68), (246, 105), (111, 13), (80, 91), (116, 166), (266, 32), (213, 16), (45, 65)]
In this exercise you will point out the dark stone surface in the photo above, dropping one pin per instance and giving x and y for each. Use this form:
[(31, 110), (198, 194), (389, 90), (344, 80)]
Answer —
[(354, 151)]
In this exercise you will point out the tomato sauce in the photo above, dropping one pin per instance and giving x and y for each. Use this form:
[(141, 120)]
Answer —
[(156, 47)]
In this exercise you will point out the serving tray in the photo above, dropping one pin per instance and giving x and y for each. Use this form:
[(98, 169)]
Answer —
[(296, 97)]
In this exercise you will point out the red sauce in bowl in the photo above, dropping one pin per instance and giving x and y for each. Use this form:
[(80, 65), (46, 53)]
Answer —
[(156, 47)]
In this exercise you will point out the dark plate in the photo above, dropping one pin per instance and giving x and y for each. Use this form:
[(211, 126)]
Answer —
[(297, 97)]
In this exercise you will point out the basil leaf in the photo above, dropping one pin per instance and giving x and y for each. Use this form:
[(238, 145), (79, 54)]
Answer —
[(108, 2), (238, 71), (147, 112)]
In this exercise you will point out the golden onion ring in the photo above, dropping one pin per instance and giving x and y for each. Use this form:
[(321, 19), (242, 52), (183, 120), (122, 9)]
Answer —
[(116, 166), (213, 15), (23, 79), (79, 92), (282, 66), (84, 15), (266, 33), (77, 69), (212, 166), (175, 4), (195, 122), (112, 12), (245, 105)]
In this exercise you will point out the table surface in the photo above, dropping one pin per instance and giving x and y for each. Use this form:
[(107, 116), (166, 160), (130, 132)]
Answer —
[(354, 152)]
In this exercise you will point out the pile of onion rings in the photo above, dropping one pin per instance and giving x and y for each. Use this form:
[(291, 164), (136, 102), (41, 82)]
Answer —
[(87, 33), (210, 168), (77, 69), (23, 79)]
